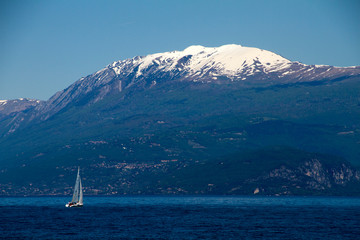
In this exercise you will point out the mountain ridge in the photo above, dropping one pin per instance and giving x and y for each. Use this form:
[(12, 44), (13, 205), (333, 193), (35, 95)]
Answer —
[(196, 63)]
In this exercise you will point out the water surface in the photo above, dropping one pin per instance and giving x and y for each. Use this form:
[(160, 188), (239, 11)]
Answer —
[(155, 217)]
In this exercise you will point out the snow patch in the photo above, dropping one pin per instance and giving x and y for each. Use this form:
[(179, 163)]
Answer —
[(228, 59)]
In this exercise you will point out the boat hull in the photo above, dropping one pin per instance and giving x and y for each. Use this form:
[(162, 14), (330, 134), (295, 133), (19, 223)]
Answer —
[(73, 205)]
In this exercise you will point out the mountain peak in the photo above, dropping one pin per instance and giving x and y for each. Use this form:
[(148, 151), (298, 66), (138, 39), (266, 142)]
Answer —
[(194, 49), (200, 48), (197, 60)]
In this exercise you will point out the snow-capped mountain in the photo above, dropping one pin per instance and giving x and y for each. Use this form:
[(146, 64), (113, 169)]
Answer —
[(184, 113), (233, 61), (198, 63), (223, 64), (195, 64)]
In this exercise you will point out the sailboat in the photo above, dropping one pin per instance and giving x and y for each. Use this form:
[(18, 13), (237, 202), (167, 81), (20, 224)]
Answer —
[(77, 199)]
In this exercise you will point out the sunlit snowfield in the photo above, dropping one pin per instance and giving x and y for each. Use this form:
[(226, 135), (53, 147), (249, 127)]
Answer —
[(154, 217)]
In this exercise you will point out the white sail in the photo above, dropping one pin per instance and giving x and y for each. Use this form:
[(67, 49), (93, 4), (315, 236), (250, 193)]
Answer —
[(81, 194), (75, 197)]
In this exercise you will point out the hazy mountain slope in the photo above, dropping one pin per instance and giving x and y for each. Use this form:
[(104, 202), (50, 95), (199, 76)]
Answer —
[(8, 107), (13, 111)]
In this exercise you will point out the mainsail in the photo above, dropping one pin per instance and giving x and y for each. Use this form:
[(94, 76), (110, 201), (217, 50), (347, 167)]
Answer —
[(78, 194), (81, 194)]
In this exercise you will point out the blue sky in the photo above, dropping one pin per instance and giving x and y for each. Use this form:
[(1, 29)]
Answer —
[(47, 45)]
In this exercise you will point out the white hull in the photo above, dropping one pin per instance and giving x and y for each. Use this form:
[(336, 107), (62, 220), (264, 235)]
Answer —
[(73, 204)]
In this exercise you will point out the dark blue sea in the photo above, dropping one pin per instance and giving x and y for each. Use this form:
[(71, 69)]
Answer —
[(154, 217)]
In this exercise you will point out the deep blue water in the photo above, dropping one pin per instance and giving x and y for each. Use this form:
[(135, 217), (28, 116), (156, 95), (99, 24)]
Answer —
[(215, 217)]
